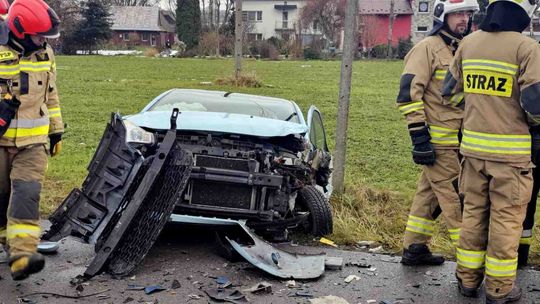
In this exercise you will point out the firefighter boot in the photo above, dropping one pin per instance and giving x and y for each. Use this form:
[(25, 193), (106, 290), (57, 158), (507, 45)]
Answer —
[(513, 296), (523, 255), (466, 291), (25, 265), (419, 254)]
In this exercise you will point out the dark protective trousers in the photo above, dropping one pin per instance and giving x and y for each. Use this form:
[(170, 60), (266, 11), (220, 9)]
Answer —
[(528, 224), (21, 174)]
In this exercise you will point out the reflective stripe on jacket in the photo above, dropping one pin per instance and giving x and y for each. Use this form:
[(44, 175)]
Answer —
[(501, 85), (33, 82), (420, 99)]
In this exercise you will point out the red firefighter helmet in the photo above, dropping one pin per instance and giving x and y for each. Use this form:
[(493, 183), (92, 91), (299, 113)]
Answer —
[(4, 6), (33, 17)]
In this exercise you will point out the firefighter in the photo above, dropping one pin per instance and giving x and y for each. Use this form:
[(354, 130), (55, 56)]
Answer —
[(497, 68), (29, 115), (528, 224), (434, 125)]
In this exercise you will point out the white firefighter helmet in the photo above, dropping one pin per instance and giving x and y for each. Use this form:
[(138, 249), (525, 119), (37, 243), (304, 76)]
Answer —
[(443, 7), (528, 6)]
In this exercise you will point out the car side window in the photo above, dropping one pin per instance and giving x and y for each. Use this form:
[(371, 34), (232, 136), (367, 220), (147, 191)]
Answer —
[(317, 135)]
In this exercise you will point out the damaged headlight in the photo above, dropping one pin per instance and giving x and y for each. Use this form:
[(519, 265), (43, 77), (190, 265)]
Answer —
[(137, 135)]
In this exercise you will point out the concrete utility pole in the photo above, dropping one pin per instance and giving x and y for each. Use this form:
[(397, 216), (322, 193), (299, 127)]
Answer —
[(349, 50), (390, 30), (238, 38)]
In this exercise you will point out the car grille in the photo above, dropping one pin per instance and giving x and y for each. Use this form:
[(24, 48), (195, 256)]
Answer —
[(221, 194), (222, 163)]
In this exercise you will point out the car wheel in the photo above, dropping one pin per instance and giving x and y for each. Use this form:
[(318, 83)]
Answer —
[(225, 250), (319, 222)]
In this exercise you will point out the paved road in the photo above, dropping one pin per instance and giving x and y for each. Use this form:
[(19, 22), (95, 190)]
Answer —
[(190, 257)]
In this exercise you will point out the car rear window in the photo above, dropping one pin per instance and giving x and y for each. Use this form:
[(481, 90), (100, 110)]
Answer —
[(233, 104)]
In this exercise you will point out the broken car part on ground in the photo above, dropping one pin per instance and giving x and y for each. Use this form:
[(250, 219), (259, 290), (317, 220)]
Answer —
[(263, 168)]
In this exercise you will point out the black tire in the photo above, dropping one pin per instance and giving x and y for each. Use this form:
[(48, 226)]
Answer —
[(225, 250), (320, 221)]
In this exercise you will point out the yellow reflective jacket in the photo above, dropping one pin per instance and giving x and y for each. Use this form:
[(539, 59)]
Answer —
[(499, 73), (420, 99), (33, 81)]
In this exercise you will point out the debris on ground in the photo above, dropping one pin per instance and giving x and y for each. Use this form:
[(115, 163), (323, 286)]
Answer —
[(358, 264), (333, 263), (135, 287), (351, 277), (328, 300), (128, 299), (223, 282), (175, 284), (328, 242), (153, 288), (194, 297), (262, 287), (376, 250), (365, 243), (43, 294), (303, 294), (291, 283), (227, 295)]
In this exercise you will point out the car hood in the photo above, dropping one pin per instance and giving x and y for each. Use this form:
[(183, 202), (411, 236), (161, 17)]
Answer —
[(218, 122)]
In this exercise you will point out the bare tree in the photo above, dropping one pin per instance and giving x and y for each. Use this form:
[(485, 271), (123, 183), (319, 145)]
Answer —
[(170, 5), (134, 2), (329, 16), (368, 32), (229, 5), (211, 14), (203, 20), (218, 13)]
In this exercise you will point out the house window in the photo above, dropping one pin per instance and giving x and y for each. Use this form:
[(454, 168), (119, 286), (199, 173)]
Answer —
[(153, 40), (423, 7), (422, 29), (145, 36), (125, 36), (252, 16), (254, 37)]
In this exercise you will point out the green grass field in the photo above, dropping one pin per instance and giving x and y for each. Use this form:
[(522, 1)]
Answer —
[(380, 175)]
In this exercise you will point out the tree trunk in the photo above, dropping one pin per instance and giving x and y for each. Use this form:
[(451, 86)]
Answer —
[(203, 12), (211, 14), (390, 30)]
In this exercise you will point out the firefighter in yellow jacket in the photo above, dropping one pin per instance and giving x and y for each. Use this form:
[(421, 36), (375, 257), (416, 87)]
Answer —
[(434, 126), (29, 115), (498, 69)]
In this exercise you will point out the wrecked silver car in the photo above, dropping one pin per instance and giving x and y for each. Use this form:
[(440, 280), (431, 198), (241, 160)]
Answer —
[(203, 154)]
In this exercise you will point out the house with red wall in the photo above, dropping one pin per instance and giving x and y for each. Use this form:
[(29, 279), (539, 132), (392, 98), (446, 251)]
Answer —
[(142, 26), (375, 18)]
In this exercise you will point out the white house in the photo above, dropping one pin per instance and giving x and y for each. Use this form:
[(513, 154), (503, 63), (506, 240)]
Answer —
[(272, 18)]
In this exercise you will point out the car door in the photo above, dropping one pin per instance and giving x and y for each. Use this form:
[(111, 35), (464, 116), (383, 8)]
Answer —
[(319, 154)]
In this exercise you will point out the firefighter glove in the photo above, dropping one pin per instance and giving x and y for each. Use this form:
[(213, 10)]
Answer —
[(423, 152), (535, 145), (56, 143), (8, 109)]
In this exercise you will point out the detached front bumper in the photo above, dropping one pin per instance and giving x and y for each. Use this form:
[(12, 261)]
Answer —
[(123, 192)]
